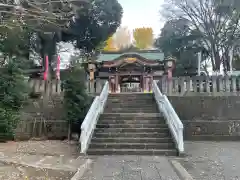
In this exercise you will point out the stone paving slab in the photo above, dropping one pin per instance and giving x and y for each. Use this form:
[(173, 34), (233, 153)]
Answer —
[(49, 162), (212, 160), (130, 168), (48, 147), (40, 160), (18, 172)]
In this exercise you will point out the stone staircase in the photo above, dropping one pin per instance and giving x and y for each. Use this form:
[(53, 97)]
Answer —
[(131, 125)]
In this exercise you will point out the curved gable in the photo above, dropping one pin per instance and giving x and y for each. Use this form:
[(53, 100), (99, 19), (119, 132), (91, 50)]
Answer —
[(149, 55), (131, 58)]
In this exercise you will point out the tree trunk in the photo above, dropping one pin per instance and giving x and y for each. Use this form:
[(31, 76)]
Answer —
[(69, 132), (217, 59)]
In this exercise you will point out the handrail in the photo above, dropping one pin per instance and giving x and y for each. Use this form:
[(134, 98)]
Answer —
[(90, 121), (173, 121)]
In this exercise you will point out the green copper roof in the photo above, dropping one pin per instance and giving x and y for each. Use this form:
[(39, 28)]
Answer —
[(159, 56)]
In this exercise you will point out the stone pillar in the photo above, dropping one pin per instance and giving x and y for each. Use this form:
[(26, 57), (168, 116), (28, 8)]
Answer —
[(112, 81), (144, 84), (147, 80), (117, 90), (98, 85), (141, 82), (150, 85), (92, 69)]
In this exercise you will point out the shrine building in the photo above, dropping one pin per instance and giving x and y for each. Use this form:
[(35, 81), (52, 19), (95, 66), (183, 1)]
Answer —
[(129, 71)]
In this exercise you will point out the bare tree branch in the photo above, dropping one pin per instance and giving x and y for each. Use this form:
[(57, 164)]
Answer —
[(216, 21)]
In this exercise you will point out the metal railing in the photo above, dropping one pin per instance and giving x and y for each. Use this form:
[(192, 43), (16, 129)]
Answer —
[(90, 121), (174, 123)]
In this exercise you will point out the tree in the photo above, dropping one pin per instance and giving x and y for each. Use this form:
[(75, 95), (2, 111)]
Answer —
[(179, 40), (28, 26), (91, 26), (94, 24), (38, 14), (143, 37), (13, 95), (122, 38), (110, 45), (76, 99), (216, 21)]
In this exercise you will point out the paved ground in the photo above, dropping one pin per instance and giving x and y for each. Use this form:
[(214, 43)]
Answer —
[(212, 160), (130, 168), (35, 160), (42, 148), (58, 160)]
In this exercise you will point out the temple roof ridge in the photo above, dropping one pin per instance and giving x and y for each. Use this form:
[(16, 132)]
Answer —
[(157, 55)]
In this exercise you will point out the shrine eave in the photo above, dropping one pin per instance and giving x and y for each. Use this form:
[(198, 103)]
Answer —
[(120, 62), (148, 55), (130, 58)]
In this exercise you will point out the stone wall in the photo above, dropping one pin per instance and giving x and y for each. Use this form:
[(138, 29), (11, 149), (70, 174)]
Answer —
[(42, 119), (209, 117)]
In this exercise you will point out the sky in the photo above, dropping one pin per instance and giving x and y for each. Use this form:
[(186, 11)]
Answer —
[(142, 13), (136, 13)]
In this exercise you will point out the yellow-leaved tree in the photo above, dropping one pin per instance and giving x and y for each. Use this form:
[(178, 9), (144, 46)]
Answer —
[(122, 38), (143, 37), (110, 45)]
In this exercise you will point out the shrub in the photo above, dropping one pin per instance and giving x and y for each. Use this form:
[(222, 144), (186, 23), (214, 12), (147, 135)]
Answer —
[(13, 95), (76, 99)]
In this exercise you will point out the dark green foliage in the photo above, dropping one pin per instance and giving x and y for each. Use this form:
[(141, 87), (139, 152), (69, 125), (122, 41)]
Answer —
[(179, 40), (95, 23), (15, 41), (76, 100), (13, 95)]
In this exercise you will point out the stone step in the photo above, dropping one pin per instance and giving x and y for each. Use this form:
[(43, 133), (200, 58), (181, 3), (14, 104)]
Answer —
[(133, 134), (132, 106), (131, 101), (130, 116), (131, 125), (128, 125), (156, 152), (131, 98), (112, 139), (139, 95), (143, 130), (126, 97), (132, 145), (130, 111), (131, 121), (126, 110)]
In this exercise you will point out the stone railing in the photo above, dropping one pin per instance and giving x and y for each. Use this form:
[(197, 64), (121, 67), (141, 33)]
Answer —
[(42, 86), (90, 121), (214, 85), (174, 123), (55, 86)]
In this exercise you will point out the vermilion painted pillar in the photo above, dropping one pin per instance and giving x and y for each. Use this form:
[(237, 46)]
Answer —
[(117, 83), (169, 73), (144, 84), (170, 85)]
